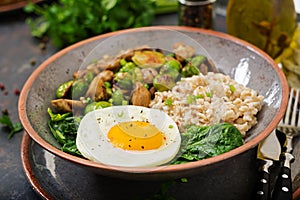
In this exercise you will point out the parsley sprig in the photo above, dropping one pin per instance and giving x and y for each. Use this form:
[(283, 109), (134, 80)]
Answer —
[(13, 127), (69, 21)]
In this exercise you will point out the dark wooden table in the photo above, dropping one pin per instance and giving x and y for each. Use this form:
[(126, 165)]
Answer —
[(20, 55)]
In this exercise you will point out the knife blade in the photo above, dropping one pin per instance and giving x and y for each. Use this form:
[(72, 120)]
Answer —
[(268, 151)]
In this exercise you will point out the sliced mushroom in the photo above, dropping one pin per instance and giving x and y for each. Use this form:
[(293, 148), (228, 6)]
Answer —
[(97, 90), (140, 96), (148, 74), (106, 75), (183, 51), (67, 105)]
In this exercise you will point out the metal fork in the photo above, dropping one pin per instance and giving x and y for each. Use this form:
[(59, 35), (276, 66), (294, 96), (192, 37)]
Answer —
[(290, 125)]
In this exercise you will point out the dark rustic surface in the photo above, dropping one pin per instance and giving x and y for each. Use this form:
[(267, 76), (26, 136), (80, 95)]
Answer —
[(20, 55)]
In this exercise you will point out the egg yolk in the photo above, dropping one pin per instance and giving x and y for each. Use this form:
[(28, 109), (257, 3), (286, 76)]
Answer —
[(136, 135)]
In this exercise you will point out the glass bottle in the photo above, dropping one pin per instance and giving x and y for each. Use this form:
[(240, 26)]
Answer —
[(268, 24), (196, 13)]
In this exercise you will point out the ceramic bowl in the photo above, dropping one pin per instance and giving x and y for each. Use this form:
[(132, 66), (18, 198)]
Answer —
[(240, 60)]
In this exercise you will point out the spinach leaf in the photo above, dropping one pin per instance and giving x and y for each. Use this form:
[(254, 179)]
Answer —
[(64, 129), (200, 142)]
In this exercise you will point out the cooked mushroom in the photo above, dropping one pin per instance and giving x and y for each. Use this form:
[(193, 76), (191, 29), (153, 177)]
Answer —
[(183, 51), (97, 90), (67, 105), (106, 75), (148, 74), (140, 96)]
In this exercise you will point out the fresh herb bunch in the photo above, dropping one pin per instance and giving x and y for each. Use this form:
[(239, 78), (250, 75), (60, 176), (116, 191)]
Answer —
[(69, 21)]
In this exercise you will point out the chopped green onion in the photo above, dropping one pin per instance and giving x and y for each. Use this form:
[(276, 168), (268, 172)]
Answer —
[(169, 102), (209, 94), (191, 99), (232, 88)]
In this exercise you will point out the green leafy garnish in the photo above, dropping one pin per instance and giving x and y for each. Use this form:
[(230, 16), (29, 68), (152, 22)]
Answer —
[(200, 142), (64, 129), (13, 127), (69, 21), (57, 117)]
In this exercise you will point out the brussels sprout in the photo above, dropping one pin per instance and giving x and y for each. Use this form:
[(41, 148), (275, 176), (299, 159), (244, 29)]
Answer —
[(163, 82), (88, 77), (171, 67), (198, 60), (148, 58), (117, 98), (124, 80), (63, 89), (189, 70), (129, 66), (96, 105), (79, 88), (137, 75)]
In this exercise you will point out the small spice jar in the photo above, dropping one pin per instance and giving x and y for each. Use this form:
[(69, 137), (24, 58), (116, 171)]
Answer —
[(196, 13)]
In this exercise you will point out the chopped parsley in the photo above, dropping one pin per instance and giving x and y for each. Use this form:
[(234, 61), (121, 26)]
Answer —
[(121, 114), (209, 94), (169, 102)]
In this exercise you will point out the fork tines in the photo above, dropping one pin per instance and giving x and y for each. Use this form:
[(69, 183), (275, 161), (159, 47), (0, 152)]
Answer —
[(292, 114)]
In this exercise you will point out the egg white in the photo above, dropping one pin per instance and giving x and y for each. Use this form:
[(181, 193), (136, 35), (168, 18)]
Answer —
[(93, 143)]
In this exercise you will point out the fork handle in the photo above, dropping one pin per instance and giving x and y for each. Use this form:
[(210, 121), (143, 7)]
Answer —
[(283, 186)]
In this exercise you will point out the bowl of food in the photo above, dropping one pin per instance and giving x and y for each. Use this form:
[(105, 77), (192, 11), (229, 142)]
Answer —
[(157, 103)]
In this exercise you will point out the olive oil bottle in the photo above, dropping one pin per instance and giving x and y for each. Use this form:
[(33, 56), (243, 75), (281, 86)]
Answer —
[(268, 24)]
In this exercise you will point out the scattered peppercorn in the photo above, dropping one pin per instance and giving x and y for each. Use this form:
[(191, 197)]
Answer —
[(2, 87), (32, 61), (5, 111), (42, 46), (17, 92)]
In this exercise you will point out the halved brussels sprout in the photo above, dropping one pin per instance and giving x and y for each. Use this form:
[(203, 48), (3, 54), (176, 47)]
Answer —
[(163, 82), (148, 58), (96, 105), (63, 89)]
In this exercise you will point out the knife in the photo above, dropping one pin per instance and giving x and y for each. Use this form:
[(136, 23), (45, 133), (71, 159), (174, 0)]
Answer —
[(283, 185), (268, 151)]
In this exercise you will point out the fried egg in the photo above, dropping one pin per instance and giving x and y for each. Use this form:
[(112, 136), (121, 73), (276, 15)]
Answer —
[(128, 136)]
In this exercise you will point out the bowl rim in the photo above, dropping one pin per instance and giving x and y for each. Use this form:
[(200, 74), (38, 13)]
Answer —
[(160, 169)]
